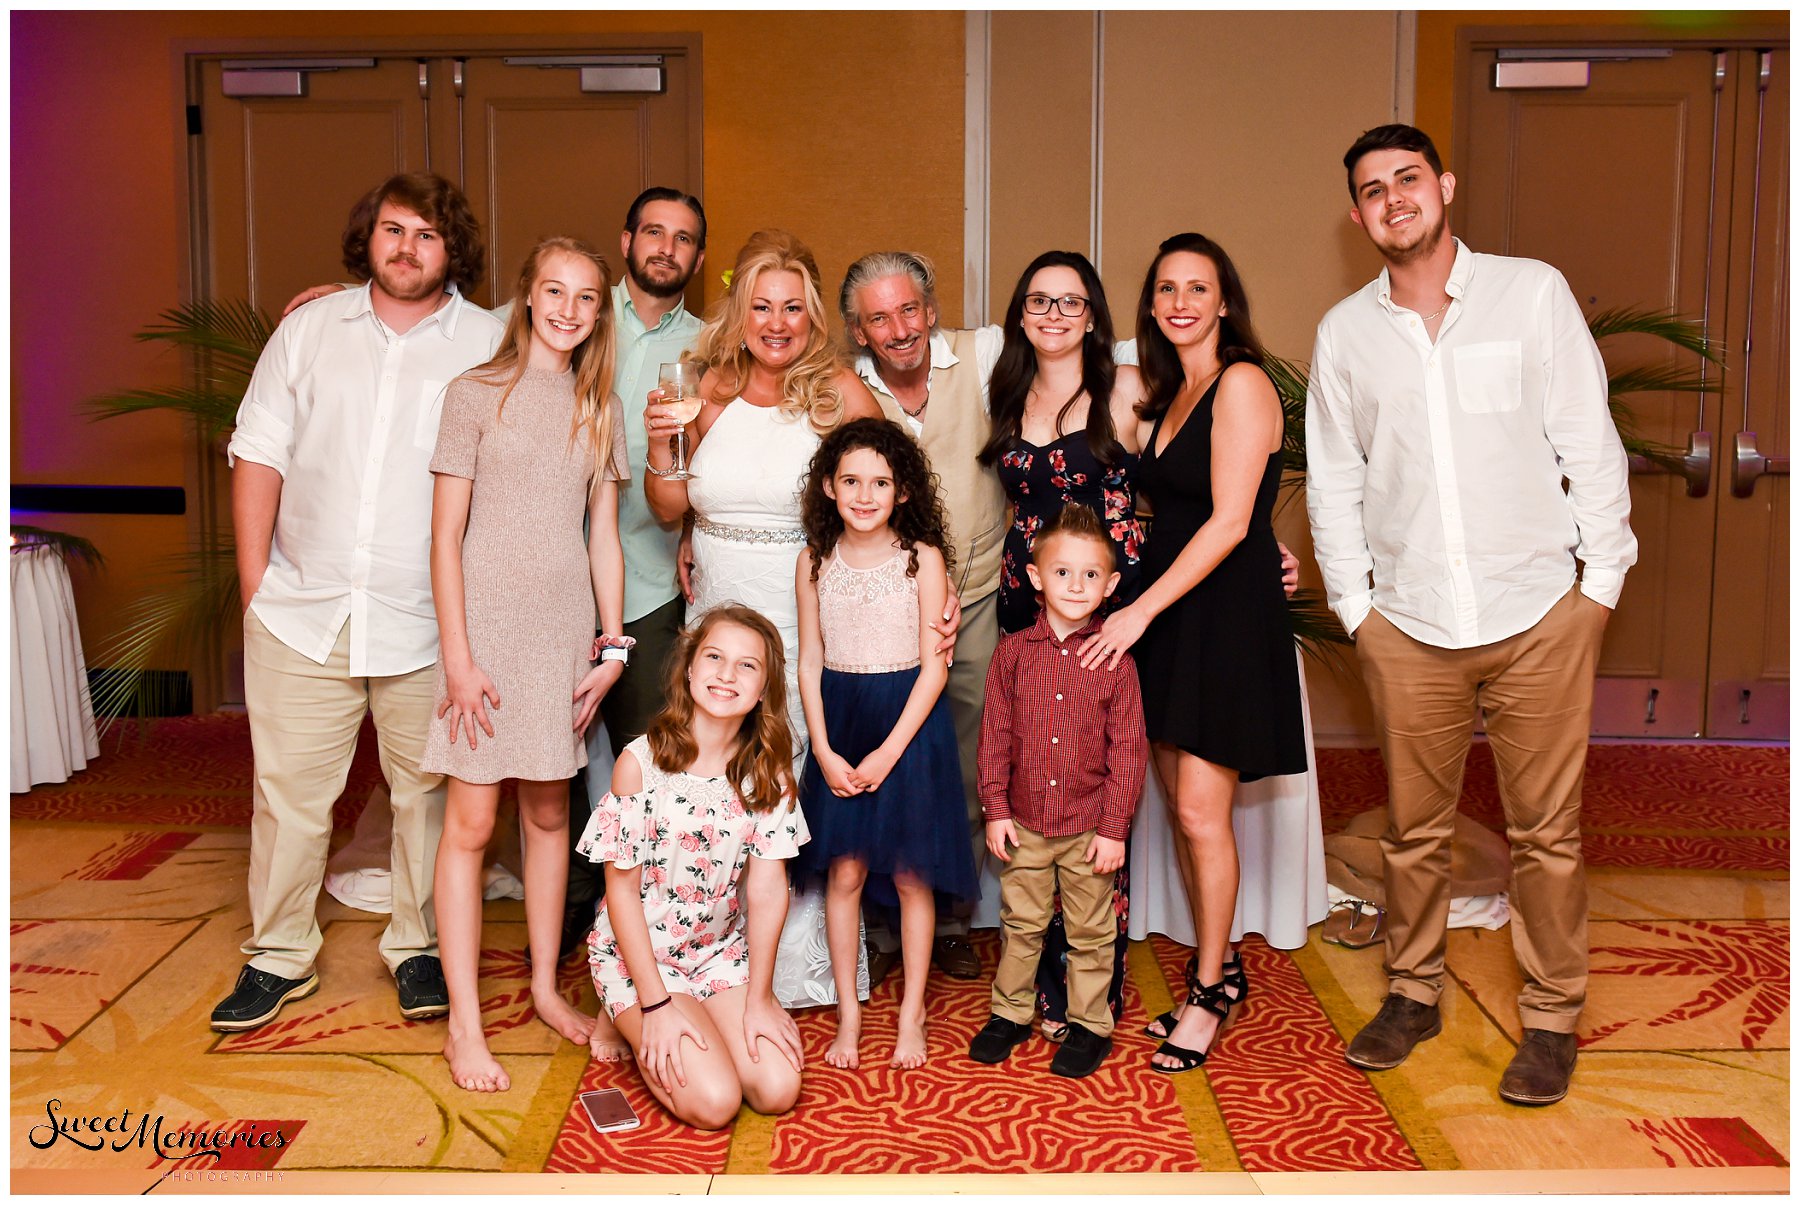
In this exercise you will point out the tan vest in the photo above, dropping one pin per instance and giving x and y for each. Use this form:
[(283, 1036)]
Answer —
[(956, 428)]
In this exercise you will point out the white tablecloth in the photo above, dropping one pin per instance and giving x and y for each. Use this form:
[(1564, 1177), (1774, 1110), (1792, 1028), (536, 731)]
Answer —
[(53, 732), (1281, 857)]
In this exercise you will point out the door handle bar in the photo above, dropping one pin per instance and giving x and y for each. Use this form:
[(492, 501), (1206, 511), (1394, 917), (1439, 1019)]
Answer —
[(1696, 464), (1747, 464)]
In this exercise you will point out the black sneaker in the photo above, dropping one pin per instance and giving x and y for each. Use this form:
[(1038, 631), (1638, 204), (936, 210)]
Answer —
[(1081, 1053), (423, 995), (257, 997), (995, 1042)]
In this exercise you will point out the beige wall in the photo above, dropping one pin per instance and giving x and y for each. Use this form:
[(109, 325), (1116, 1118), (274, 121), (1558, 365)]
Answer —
[(1233, 124), (845, 127)]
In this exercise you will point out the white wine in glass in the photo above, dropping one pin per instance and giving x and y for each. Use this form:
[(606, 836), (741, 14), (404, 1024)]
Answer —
[(680, 385)]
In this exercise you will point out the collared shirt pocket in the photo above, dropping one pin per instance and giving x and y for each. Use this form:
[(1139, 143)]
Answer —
[(1490, 377), (431, 412)]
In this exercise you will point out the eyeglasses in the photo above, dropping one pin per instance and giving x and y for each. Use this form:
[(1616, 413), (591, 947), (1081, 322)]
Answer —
[(1069, 307)]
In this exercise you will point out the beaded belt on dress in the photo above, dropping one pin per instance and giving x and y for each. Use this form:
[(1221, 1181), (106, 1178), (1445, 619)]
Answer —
[(751, 535), (842, 668)]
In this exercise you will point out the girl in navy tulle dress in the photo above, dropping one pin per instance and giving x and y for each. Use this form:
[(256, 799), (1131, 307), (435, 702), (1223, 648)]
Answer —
[(882, 789)]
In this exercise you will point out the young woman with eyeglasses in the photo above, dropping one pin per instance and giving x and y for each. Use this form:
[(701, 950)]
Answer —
[(1063, 431)]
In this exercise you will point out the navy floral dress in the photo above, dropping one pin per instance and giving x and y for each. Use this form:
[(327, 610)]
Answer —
[(1040, 481)]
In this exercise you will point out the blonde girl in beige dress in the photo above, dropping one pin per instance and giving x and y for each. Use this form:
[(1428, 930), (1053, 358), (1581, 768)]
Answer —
[(516, 469)]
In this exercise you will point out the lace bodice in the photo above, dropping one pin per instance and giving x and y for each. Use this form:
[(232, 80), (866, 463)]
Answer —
[(869, 617)]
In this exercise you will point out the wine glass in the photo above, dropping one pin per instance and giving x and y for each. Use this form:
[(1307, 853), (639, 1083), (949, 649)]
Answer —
[(680, 385)]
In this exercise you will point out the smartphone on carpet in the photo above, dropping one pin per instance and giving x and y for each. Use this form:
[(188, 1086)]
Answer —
[(608, 1109)]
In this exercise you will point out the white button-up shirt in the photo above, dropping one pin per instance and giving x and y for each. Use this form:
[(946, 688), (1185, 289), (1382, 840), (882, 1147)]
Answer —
[(347, 412), (1435, 471)]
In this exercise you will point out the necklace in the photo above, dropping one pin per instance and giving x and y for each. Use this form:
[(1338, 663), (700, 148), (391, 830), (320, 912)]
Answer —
[(913, 413), (1436, 312)]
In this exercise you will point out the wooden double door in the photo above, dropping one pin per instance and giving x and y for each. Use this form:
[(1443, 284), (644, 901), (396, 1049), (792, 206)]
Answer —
[(1655, 174), (542, 139)]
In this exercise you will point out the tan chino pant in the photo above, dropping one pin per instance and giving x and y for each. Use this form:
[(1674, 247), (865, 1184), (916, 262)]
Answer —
[(976, 639), (1039, 867), (1537, 690), (304, 719)]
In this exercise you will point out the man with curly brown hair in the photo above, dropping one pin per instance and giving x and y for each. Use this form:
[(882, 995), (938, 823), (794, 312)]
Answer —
[(331, 500)]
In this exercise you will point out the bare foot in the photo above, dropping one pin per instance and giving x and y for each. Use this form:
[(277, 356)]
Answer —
[(562, 1016), (606, 1044), (909, 1050), (844, 1051), (473, 1067)]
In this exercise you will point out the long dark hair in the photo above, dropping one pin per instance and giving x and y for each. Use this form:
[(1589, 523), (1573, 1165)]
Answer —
[(1011, 382), (918, 520), (1158, 360)]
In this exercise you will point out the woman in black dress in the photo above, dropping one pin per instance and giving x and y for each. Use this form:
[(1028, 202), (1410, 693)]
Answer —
[(1214, 649), (1051, 445)]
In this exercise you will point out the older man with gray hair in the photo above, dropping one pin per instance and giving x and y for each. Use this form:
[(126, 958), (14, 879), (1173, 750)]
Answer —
[(934, 383)]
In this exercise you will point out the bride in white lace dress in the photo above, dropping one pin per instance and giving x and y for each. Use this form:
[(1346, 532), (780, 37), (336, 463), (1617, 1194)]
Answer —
[(773, 386)]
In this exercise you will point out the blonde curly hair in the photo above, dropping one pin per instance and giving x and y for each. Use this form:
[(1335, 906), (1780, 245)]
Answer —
[(809, 385)]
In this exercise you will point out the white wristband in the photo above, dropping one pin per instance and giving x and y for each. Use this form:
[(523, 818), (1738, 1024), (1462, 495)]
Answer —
[(616, 655)]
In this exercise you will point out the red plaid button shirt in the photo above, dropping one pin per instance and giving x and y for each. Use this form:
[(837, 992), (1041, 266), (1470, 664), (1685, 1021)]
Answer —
[(1063, 749)]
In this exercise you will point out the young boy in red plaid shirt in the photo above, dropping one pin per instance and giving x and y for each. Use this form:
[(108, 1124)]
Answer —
[(1062, 761)]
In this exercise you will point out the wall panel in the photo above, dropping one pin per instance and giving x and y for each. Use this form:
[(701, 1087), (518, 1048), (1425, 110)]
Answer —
[(846, 127)]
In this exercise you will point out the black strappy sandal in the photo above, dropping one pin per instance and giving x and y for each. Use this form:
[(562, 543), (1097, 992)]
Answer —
[(1191, 979), (1233, 977), (1213, 999)]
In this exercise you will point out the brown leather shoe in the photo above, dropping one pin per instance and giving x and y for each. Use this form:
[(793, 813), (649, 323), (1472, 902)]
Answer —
[(954, 956), (1391, 1034), (1540, 1069)]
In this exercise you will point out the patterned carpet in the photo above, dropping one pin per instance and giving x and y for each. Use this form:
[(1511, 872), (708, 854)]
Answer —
[(128, 905)]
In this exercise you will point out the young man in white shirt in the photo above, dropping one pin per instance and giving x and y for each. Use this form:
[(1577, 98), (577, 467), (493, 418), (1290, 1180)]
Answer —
[(1450, 399), (331, 501)]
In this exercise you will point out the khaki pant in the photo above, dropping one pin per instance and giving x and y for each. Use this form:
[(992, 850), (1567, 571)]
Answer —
[(1039, 867), (1537, 691), (304, 719), (976, 640)]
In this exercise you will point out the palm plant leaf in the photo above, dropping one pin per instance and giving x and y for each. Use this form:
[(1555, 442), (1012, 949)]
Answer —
[(234, 330), (1290, 386), (68, 547), (193, 598), (1685, 333), (227, 338), (1317, 629), (1652, 378)]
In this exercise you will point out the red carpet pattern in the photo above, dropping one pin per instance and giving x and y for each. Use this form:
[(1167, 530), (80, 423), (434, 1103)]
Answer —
[(1709, 1142), (1290, 1101), (1735, 967), (1688, 807), (956, 1115), (659, 1145), (128, 926), (134, 857)]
